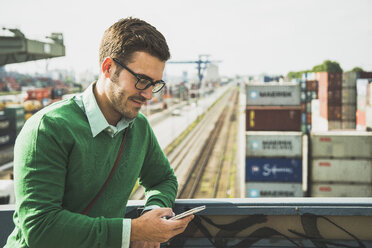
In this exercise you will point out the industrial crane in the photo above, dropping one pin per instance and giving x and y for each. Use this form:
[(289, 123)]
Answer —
[(17, 48), (202, 64)]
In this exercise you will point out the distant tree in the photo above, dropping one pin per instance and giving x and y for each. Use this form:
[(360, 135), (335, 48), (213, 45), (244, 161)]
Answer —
[(357, 69), (296, 74), (293, 74), (328, 66)]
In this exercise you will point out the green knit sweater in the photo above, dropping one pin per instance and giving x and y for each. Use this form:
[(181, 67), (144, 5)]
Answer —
[(59, 167)]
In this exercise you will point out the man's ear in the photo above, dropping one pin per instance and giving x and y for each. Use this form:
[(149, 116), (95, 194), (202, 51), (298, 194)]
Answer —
[(106, 67)]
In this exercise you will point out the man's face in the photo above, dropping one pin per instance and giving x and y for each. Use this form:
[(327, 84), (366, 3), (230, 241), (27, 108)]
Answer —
[(122, 94)]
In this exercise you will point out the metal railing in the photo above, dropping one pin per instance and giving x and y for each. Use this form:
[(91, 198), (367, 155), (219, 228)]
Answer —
[(262, 222)]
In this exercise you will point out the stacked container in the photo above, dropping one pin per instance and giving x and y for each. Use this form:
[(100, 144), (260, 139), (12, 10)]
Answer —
[(273, 107), (349, 100), (369, 108), (16, 115), (363, 103), (341, 164), (330, 98), (5, 138), (309, 92), (273, 164), (354, 110), (273, 140)]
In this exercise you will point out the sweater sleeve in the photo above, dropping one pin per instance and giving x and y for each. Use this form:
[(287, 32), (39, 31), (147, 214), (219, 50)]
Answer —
[(157, 176), (40, 168)]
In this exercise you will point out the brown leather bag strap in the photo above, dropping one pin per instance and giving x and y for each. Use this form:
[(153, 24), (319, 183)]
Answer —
[(90, 205)]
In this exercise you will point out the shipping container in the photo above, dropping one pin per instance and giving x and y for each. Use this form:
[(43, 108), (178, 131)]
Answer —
[(273, 144), (365, 74), (303, 107), (361, 103), (274, 190), (302, 85), (303, 118), (362, 86), (273, 94), (334, 125), (348, 112), (348, 95), (303, 97), (5, 139), (330, 112), (329, 80), (331, 96), (341, 190), (308, 118), (348, 125), (273, 118), (16, 114), (304, 128), (312, 85), (273, 170), (361, 119), (349, 79), (318, 122), (4, 124), (341, 144), (341, 171), (308, 107)]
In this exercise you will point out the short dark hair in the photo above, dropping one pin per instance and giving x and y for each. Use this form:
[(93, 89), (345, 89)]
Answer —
[(130, 35)]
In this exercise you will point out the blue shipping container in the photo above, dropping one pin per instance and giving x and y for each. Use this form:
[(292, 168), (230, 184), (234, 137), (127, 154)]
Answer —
[(273, 170), (303, 118)]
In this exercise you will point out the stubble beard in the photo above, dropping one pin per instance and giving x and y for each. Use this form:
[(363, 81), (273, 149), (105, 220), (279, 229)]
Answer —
[(120, 100)]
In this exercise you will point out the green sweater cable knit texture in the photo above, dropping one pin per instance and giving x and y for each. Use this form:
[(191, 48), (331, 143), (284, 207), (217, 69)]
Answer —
[(59, 167)]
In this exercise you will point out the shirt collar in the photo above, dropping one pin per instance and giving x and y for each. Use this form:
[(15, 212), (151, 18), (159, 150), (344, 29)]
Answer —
[(96, 119)]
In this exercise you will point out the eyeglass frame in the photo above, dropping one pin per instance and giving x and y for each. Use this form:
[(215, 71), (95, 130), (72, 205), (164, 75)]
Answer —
[(139, 77)]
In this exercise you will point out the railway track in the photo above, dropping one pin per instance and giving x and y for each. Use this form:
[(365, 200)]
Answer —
[(193, 154), (214, 170)]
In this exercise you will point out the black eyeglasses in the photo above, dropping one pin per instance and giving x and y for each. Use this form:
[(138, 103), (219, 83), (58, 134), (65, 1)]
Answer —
[(142, 82)]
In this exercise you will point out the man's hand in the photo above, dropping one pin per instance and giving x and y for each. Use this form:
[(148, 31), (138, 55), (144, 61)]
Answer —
[(152, 227), (144, 244)]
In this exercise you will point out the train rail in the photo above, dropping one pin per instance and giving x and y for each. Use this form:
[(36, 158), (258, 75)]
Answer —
[(205, 149)]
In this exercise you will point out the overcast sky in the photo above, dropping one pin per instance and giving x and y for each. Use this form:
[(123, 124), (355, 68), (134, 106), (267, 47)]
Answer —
[(249, 36)]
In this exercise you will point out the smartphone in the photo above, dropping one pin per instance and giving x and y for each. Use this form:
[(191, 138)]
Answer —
[(187, 213)]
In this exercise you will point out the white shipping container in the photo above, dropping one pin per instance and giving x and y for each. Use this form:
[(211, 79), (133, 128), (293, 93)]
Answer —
[(334, 125), (341, 144), (348, 125), (341, 170), (273, 94), (273, 190), (318, 123), (341, 190), (273, 144), (348, 112), (349, 95)]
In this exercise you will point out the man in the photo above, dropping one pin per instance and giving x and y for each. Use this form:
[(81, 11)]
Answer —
[(66, 151)]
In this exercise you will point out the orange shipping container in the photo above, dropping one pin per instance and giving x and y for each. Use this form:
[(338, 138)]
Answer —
[(361, 118)]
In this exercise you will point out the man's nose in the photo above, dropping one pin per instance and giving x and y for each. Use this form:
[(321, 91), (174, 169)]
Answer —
[(147, 93)]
